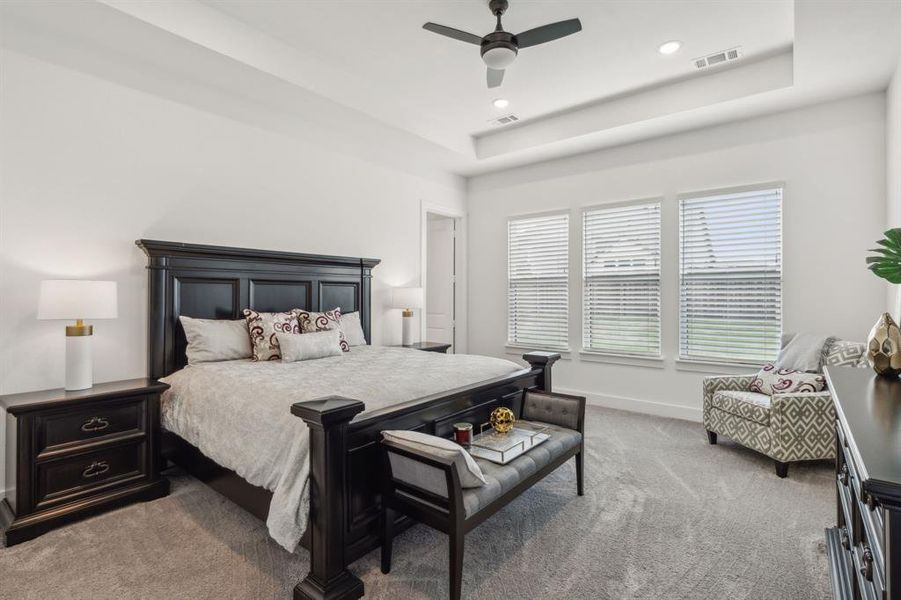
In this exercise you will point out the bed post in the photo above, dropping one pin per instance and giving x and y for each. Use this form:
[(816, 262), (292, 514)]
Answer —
[(328, 578), (544, 361)]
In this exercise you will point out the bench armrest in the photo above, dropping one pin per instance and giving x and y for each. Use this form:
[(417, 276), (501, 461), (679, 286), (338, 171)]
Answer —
[(562, 410), (431, 479)]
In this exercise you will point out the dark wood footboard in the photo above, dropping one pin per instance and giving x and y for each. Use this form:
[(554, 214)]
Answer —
[(344, 467)]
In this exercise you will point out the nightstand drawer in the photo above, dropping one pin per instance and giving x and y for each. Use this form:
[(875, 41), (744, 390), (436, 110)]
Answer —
[(97, 421), (65, 479)]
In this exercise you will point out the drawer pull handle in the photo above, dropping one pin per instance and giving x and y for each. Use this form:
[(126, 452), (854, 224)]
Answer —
[(846, 540), (98, 467), (871, 502), (95, 424), (843, 475), (867, 569)]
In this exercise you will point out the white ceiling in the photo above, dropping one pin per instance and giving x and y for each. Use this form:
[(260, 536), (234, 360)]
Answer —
[(382, 46), (364, 77)]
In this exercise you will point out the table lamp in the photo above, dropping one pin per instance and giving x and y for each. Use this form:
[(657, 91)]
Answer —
[(407, 299), (77, 300)]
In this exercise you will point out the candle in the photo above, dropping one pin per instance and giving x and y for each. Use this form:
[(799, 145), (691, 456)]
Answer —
[(463, 433)]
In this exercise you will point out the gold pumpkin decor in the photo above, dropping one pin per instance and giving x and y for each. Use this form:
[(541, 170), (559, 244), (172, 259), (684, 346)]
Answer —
[(884, 347), (502, 419)]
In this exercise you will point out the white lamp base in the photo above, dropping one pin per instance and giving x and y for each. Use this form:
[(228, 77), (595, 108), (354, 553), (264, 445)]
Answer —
[(79, 362), (407, 320)]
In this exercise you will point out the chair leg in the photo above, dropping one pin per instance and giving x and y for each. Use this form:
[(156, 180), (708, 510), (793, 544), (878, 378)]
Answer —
[(580, 473), (455, 542), (781, 469), (711, 437), (387, 537)]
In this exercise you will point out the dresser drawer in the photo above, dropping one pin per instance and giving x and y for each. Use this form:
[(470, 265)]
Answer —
[(99, 421), (69, 478)]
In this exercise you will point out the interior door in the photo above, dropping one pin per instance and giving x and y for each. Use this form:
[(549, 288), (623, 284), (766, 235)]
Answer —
[(440, 280)]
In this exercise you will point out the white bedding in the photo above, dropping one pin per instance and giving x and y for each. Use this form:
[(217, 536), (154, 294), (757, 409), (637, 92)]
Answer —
[(238, 412)]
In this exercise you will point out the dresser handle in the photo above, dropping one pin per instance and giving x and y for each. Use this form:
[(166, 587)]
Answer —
[(867, 569), (846, 540), (871, 502), (843, 475), (98, 467), (95, 424)]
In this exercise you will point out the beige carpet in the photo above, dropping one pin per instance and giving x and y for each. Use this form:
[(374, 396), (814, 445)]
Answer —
[(664, 516)]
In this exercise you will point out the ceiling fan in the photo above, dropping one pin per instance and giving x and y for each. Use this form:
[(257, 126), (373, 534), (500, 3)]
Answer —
[(499, 48)]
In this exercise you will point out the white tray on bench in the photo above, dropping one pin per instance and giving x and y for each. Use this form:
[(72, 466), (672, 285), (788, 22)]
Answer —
[(501, 448)]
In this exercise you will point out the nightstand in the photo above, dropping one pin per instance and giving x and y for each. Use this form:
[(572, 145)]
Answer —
[(429, 347), (73, 454)]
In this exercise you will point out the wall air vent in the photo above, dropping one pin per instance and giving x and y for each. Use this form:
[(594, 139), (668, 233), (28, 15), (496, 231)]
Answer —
[(505, 120), (718, 58)]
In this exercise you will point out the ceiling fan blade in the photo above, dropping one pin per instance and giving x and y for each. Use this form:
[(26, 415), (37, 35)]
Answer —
[(453, 33), (548, 33), (495, 77)]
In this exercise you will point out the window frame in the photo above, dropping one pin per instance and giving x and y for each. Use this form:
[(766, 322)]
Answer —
[(623, 357), (696, 363), (514, 345)]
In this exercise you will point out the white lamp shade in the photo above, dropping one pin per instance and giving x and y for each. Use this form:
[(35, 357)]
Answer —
[(407, 297), (77, 299)]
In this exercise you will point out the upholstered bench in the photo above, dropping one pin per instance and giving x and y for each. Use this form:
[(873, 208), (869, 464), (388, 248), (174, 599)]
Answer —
[(438, 487)]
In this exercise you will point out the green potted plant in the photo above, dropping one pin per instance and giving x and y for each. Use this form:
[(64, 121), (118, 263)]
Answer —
[(884, 341)]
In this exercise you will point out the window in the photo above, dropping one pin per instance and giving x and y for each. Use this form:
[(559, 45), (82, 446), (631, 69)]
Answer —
[(730, 257), (538, 282), (621, 280)]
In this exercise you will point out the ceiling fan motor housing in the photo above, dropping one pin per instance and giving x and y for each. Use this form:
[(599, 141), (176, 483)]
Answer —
[(499, 49)]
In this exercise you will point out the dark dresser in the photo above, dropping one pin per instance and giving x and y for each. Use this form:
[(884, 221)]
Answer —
[(864, 548), (72, 454)]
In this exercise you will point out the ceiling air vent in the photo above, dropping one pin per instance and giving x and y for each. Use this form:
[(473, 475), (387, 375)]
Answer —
[(718, 58), (505, 120)]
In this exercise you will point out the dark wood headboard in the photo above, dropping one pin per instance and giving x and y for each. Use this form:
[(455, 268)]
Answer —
[(218, 282)]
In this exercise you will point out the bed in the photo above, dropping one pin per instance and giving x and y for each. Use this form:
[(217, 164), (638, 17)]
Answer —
[(318, 479)]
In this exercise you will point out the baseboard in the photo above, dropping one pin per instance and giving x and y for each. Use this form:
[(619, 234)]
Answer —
[(661, 409)]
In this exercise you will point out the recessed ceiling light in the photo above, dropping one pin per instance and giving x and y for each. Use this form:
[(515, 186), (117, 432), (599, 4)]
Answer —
[(670, 47), (500, 103)]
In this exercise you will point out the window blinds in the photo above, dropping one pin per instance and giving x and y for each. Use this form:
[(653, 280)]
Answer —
[(621, 279), (731, 276), (538, 282)]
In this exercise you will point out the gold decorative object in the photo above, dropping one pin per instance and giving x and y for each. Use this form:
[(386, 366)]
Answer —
[(884, 347), (502, 419)]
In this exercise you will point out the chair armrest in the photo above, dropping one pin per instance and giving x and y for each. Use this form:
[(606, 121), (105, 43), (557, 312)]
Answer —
[(803, 407), (720, 383), (562, 410), (432, 478), (803, 426)]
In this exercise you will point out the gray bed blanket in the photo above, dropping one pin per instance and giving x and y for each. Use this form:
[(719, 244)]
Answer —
[(238, 412)]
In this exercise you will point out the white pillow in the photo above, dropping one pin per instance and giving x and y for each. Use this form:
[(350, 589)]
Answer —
[(307, 346), (216, 339), (353, 329), (430, 445)]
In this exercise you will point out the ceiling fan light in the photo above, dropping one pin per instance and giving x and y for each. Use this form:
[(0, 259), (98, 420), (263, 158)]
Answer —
[(499, 58)]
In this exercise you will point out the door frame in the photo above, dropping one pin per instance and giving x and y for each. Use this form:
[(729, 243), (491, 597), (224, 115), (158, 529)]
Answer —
[(460, 263)]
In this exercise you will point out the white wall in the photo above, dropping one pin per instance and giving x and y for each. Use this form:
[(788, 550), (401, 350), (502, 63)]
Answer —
[(893, 169), (832, 160), (90, 166)]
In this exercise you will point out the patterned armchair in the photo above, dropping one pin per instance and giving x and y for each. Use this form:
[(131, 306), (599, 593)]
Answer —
[(785, 427)]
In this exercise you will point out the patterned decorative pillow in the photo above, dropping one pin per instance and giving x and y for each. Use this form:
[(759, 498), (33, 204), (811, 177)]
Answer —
[(264, 327), (311, 322), (771, 380), (843, 353)]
